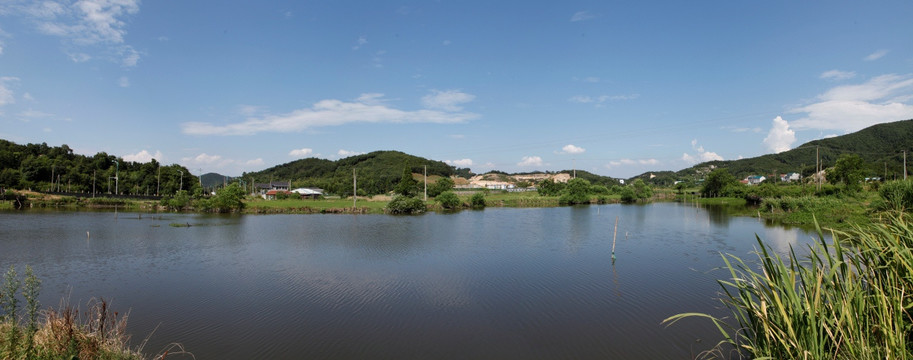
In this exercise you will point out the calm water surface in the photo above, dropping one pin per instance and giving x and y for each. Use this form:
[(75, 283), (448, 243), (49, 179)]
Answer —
[(499, 283)]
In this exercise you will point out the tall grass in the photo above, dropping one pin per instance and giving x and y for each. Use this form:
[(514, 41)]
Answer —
[(847, 300), (64, 333)]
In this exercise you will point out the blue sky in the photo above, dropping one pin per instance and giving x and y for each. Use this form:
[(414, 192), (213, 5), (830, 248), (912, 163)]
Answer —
[(615, 88)]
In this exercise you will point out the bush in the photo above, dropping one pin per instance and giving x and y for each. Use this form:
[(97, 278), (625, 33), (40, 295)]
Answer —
[(405, 205), (576, 192), (449, 200), (627, 195), (477, 201), (896, 195)]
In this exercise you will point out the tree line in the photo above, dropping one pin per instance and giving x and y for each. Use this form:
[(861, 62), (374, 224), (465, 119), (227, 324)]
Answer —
[(39, 167)]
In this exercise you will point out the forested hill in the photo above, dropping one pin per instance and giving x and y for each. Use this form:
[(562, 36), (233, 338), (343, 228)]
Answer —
[(880, 146), (56, 168), (378, 172)]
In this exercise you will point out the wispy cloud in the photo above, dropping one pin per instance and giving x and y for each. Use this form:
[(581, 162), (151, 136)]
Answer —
[(300, 153), (529, 161), (837, 75), (586, 99), (369, 108), (571, 149), (361, 41), (123, 81), (7, 96), (850, 108), (85, 23), (447, 100), (347, 153), (582, 16), (876, 55), (701, 155), (144, 156), (781, 137), (459, 163)]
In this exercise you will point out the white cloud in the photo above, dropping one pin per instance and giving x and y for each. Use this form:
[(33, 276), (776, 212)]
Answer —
[(582, 15), (205, 159), (144, 156), (701, 156), (254, 162), (781, 137), (7, 96), (28, 97), (648, 161), (79, 57), (86, 23), (837, 75), (362, 40), (123, 82), (33, 114), (530, 161), (301, 152), (129, 56), (572, 149), (369, 108), (446, 42), (448, 100), (585, 99), (347, 153), (580, 99), (850, 108), (876, 55), (459, 163)]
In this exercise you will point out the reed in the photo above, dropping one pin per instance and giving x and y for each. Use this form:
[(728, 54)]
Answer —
[(847, 300)]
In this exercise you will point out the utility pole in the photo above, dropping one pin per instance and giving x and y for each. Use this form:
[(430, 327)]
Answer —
[(354, 189), (181, 186), (116, 174), (817, 169), (426, 182), (158, 182), (904, 164), (93, 181), (575, 168)]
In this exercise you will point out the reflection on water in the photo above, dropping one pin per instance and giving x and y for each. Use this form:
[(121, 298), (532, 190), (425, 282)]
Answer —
[(498, 283)]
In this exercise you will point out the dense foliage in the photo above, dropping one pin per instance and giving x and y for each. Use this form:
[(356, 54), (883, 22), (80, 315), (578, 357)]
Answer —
[(377, 172), (41, 167), (881, 147), (449, 200), (405, 205)]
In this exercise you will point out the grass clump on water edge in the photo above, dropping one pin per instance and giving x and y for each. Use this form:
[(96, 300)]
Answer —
[(63, 333), (846, 300)]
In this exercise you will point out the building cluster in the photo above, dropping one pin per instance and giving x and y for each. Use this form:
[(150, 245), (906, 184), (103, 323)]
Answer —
[(272, 189)]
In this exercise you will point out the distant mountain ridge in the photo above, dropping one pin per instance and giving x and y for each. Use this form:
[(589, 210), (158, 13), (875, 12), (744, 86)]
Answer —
[(880, 146)]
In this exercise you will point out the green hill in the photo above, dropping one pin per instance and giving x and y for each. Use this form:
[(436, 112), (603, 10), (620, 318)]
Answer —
[(881, 146), (378, 172)]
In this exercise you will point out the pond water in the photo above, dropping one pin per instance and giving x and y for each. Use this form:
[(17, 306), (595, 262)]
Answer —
[(499, 283)]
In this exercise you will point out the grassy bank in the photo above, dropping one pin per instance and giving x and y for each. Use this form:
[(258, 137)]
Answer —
[(846, 300), (28, 332)]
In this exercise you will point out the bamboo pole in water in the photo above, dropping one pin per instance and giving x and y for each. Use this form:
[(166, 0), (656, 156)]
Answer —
[(614, 236)]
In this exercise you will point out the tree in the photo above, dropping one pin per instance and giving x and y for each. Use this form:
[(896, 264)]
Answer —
[(440, 186), (849, 170), (716, 181), (405, 205), (449, 200), (549, 187), (576, 192), (407, 185), (477, 201), (642, 190)]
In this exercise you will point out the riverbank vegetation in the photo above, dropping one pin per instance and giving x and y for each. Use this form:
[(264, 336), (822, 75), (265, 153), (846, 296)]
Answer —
[(845, 300), (28, 332)]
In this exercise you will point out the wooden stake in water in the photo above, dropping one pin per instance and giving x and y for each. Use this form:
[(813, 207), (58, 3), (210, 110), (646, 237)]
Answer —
[(614, 235)]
